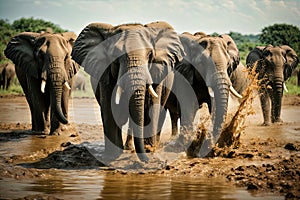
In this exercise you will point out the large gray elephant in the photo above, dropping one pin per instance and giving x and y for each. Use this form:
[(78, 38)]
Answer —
[(225, 55), (275, 65), (45, 70), (7, 74), (133, 64)]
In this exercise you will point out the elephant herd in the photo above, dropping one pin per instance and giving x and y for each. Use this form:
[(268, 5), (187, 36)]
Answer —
[(138, 72)]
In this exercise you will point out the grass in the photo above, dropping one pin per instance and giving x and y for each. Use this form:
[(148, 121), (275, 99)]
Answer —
[(292, 87)]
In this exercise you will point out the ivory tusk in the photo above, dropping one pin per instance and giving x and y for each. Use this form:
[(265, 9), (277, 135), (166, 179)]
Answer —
[(118, 94), (67, 85), (234, 92), (152, 92), (211, 92), (285, 88), (43, 85)]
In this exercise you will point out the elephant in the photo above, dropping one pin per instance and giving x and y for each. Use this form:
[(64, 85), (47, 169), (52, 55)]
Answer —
[(239, 78), (275, 65), (79, 81), (132, 74), (131, 70), (225, 55), (7, 75), (45, 70)]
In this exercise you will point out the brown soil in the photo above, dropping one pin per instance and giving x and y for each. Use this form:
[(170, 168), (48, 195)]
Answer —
[(258, 163)]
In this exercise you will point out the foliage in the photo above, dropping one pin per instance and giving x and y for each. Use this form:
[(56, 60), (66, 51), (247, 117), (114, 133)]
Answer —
[(35, 25), (292, 87), (7, 30), (282, 34)]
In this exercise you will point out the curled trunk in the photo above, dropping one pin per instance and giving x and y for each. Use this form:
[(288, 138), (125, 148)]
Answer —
[(56, 95)]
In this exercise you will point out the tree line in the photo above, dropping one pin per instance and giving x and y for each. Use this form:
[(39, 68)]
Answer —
[(277, 34)]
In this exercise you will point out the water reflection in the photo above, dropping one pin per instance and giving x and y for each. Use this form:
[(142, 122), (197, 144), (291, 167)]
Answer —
[(96, 184)]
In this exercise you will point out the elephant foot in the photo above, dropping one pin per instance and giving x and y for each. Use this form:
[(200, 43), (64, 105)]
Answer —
[(150, 144), (59, 130), (129, 145), (266, 124), (277, 121)]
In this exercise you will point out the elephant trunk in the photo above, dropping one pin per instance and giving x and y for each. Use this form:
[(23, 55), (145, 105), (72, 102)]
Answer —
[(136, 110), (277, 98), (57, 79), (221, 94)]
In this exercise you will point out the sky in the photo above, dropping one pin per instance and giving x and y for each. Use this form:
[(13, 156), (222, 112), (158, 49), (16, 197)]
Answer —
[(209, 16)]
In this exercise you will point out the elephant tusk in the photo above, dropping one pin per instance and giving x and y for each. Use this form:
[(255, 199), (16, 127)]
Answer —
[(285, 88), (211, 92), (234, 92), (67, 85), (152, 92), (118, 94), (43, 85)]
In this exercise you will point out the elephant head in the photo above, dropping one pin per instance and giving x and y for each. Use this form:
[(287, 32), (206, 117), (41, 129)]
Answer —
[(206, 61), (45, 57), (134, 59), (274, 66)]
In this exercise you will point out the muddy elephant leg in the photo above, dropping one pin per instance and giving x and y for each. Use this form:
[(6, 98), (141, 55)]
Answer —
[(174, 121), (113, 133), (151, 129), (129, 141), (36, 102), (265, 106), (161, 121)]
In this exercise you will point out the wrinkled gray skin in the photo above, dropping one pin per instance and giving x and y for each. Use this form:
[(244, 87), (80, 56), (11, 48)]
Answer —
[(275, 65), (225, 55), (44, 57), (79, 81), (7, 73), (129, 58), (239, 78)]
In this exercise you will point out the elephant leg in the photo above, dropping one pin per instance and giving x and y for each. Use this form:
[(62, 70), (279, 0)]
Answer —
[(174, 121), (265, 106), (36, 103), (129, 141), (151, 130), (113, 133), (161, 121)]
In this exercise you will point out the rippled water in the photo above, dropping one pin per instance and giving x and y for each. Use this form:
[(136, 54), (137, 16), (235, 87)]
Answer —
[(94, 184)]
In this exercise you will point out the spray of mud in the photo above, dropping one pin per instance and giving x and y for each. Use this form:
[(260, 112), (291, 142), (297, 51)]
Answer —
[(234, 125)]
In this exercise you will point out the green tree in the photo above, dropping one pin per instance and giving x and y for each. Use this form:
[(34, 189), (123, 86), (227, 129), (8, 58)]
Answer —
[(35, 25), (6, 32), (282, 34)]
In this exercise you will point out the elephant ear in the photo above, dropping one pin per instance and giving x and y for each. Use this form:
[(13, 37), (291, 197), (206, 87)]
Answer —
[(167, 47), (165, 38), (70, 37), (232, 51), (292, 61), (73, 67), (21, 50), (89, 50)]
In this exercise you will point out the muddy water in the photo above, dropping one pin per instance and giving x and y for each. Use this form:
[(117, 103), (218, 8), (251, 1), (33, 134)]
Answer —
[(94, 184), (99, 184)]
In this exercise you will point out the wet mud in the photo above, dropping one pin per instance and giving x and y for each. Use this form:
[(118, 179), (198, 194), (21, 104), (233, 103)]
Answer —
[(265, 161)]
